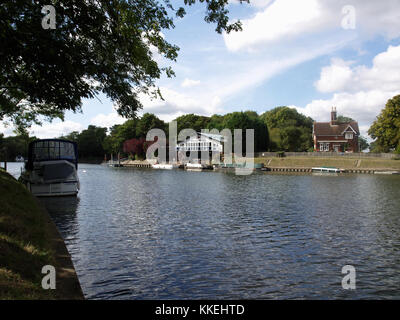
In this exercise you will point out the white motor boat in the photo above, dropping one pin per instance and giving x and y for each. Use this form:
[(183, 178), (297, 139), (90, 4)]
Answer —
[(326, 170), (51, 169), (19, 158), (196, 166), (166, 166)]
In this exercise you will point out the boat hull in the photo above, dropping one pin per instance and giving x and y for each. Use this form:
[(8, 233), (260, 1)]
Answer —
[(51, 179), (54, 189)]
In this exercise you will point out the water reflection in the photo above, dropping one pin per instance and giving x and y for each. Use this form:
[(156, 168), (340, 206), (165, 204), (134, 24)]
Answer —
[(63, 211), (142, 234)]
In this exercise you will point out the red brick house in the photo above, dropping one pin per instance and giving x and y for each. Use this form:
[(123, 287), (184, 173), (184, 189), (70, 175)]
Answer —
[(336, 137)]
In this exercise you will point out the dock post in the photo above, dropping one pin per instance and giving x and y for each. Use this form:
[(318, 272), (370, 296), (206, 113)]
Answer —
[(4, 152)]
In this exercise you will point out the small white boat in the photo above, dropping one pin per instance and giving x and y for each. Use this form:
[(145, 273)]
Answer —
[(197, 166), (51, 169), (194, 166), (326, 170), (165, 166), (387, 172), (19, 158)]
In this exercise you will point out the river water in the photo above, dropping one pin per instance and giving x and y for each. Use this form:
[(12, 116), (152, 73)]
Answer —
[(148, 234)]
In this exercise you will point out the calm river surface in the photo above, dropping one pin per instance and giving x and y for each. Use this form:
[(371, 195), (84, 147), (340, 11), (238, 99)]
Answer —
[(147, 234)]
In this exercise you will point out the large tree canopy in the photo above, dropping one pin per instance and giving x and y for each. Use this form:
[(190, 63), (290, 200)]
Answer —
[(98, 46), (243, 120), (192, 121), (344, 119), (386, 127), (288, 129), (90, 142)]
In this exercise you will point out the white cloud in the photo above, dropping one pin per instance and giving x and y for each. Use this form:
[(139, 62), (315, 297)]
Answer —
[(359, 92), (223, 85), (383, 74), (55, 129), (334, 77), (260, 3), (282, 18), (176, 103), (107, 120), (363, 106), (377, 17), (187, 83), (251, 74), (287, 19), (253, 3)]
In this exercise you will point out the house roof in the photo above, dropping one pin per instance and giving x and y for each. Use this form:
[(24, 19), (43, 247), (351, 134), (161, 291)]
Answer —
[(216, 137), (327, 129)]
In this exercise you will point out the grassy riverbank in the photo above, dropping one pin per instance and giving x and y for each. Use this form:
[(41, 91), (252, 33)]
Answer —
[(28, 241), (340, 162)]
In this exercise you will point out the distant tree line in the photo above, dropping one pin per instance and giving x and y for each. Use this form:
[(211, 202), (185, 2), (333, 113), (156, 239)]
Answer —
[(13, 146), (279, 129)]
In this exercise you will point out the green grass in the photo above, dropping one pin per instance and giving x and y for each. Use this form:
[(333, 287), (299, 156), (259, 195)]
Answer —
[(343, 163), (25, 245)]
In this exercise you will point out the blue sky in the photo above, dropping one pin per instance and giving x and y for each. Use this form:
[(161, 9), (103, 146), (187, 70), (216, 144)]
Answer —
[(309, 54)]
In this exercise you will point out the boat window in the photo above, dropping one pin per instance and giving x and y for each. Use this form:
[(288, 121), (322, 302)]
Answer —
[(53, 150)]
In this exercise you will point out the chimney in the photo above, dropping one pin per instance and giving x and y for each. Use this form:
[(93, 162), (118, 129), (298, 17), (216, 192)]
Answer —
[(333, 116)]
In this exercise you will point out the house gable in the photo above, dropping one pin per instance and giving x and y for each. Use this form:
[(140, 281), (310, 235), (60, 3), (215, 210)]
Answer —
[(351, 130), (335, 136), (327, 129)]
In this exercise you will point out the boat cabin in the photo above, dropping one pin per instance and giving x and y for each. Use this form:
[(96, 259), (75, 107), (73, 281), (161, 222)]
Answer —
[(52, 149)]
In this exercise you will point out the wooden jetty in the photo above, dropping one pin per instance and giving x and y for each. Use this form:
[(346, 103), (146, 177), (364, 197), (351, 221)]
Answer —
[(136, 164), (285, 169), (309, 170)]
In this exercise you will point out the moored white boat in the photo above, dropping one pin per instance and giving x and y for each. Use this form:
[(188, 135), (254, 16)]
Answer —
[(326, 170), (51, 169), (387, 172), (166, 166), (196, 166), (19, 158)]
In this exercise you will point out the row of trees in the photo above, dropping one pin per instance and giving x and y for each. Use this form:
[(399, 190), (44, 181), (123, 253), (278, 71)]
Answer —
[(279, 129), (13, 146), (94, 142)]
